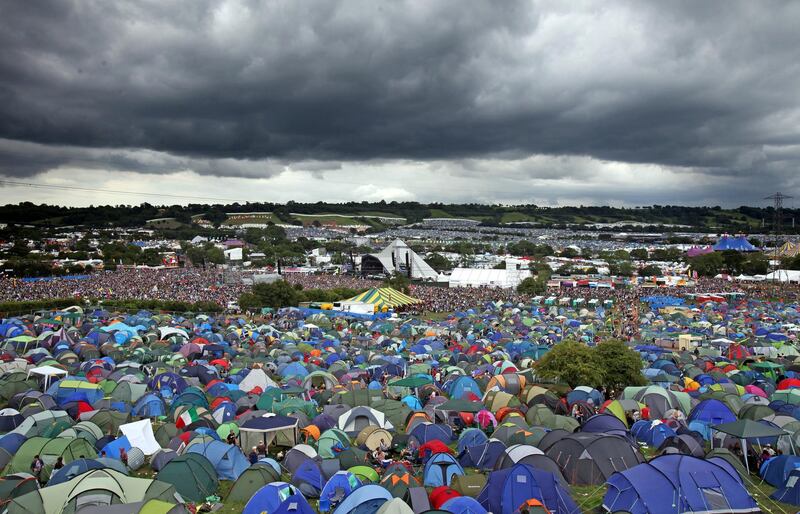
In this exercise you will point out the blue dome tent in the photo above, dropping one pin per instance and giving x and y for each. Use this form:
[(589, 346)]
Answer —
[(678, 483)]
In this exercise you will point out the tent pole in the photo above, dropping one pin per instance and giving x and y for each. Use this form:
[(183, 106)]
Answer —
[(744, 447)]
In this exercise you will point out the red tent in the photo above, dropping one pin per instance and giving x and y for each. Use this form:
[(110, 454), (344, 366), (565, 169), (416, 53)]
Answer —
[(441, 494), (738, 352), (788, 383), (434, 446)]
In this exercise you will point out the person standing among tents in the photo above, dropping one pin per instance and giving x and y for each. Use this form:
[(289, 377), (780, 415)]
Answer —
[(58, 465), (37, 466)]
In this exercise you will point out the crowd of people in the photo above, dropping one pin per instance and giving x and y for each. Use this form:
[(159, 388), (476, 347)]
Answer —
[(174, 284), (212, 285)]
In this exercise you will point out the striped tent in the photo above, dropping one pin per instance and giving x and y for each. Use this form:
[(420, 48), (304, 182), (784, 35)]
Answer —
[(384, 297), (789, 249)]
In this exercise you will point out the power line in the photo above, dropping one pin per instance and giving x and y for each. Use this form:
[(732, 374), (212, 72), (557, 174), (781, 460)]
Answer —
[(777, 222), (115, 191)]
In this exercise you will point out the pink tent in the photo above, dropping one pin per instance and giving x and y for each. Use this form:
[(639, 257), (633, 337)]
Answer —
[(696, 250), (755, 390), (486, 418)]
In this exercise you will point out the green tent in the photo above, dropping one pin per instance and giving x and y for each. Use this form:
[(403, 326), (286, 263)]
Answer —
[(461, 406), (49, 450), (749, 429), (193, 476), (250, 481), (395, 411), (412, 382), (164, 434), (328, 439), (97, 487), (745, 429), (365, 473), (37, 424), (107, 420), (733, 460), (14, 486)]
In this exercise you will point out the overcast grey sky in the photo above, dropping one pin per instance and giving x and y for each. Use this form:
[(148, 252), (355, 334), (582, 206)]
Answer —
[(622, 103)]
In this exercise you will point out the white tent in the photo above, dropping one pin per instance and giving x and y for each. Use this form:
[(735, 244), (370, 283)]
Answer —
[(256, 378), (477, 277), (784, 275), (140, 435), (47, 372), (168, 331)]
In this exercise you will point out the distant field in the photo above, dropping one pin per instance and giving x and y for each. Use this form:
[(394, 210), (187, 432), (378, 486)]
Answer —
[(376, 214), (516, 217), (438, 213), (271, 218), (322, 218)]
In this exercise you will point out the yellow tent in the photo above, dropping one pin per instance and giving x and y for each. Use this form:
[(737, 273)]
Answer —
[(789, 249)]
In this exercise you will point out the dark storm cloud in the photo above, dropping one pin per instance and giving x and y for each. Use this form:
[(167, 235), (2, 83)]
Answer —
[(219, 86)]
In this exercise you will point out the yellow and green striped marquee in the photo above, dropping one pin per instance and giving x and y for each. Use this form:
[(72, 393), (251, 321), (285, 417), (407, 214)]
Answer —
[(384, 296)]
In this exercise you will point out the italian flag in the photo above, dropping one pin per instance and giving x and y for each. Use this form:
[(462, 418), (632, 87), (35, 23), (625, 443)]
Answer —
[(187, 418)]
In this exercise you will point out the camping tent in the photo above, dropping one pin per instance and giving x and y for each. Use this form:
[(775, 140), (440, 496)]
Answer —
[(97, 487), (789, 492), (367, 498), (507, 489), (356, 419), (687, 483), (193, 476), (269, 428), (229, 462)]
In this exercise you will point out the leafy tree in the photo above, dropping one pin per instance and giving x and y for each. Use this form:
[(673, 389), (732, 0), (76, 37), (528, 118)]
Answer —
[(756, 264), (276, 295), (216, 216), (571, 362), (707, 265), (651, 270), (569, 252), (791, 262), (214, 255), (543, 271), (500, 265), (621, 268), (670, 254), (532, 286), (19, 248), (253, 235), (398, 282), (733, 261), (621, 365), (438, 262), (640, 254), (249, 301), (274, 234)]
